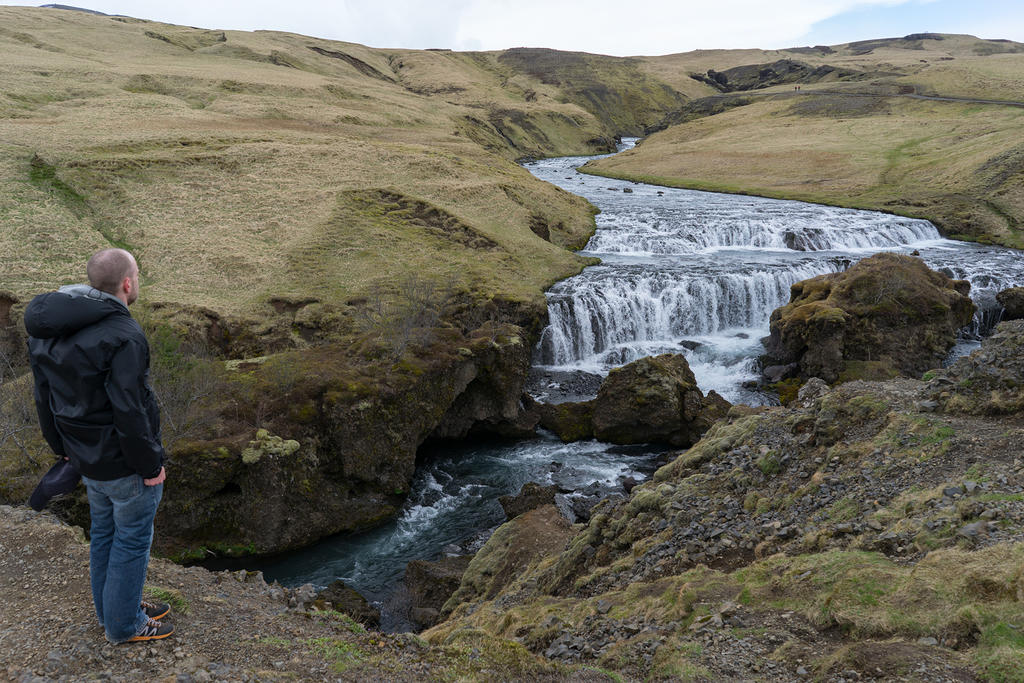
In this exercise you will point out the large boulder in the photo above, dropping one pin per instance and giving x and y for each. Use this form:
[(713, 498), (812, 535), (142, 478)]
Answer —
[(887, 314), (655, 399), (532, 495), (570, 421), (1012, 301), (346, 599), (430, 584)]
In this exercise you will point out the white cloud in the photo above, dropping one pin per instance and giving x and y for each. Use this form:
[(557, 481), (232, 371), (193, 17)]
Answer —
[(648, 27), (605, 26)]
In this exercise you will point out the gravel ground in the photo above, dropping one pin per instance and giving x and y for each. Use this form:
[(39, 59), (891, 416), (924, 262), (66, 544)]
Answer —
[(229, 626)]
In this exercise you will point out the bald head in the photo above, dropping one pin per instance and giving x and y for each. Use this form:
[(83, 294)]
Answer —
[(114, 271)]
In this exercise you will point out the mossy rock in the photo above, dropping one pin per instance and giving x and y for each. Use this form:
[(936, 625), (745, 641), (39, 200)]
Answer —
[(1012, 301), (511, 549), (654, 399), (888, 314), (569, 421)]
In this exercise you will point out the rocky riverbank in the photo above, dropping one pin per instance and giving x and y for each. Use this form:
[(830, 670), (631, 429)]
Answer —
[(270, 453), (870, 531)]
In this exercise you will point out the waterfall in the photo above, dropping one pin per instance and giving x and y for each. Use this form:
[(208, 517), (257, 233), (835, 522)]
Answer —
[(749, 222), (988, 276), (613, 306), (677, 266), (708, 269)]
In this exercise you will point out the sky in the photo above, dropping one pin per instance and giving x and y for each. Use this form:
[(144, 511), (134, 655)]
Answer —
[(612, 27)]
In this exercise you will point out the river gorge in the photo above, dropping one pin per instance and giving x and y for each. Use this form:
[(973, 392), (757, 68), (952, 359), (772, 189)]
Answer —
[(681, 271)]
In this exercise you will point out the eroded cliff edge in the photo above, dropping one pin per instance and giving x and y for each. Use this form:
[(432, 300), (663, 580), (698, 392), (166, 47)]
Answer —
[(867, 530)]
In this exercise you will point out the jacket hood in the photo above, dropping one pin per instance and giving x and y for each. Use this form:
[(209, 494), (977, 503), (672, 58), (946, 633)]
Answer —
[(66, 311)]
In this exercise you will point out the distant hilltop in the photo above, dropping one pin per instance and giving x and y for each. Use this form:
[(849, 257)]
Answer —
[(76, 9)]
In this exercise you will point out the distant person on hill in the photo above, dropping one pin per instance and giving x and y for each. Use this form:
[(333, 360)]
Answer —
[(90, 360)]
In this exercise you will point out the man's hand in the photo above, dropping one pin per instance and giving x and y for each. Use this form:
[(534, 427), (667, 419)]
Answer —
[(158, 479)]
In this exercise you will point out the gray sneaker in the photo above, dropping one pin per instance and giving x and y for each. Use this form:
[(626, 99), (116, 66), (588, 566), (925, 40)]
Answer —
[(155, 610), (153, 630)]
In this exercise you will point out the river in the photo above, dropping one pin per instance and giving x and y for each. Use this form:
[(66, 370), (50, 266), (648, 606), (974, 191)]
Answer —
[(682, 271)]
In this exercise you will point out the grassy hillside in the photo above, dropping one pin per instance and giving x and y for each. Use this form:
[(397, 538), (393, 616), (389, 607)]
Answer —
[(859, 140), (957, 65), (246, 166)]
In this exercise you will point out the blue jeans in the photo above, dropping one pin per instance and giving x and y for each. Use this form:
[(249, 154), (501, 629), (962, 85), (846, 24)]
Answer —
[(122, 512)]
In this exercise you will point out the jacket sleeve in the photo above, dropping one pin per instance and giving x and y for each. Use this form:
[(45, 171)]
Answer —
[(46, 422), (131, 401)]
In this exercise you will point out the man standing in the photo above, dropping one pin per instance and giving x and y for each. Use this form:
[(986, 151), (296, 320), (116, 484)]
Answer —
[(90, 360)]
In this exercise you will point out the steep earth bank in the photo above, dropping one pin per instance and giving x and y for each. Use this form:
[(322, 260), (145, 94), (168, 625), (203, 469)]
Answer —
[(871, 531)]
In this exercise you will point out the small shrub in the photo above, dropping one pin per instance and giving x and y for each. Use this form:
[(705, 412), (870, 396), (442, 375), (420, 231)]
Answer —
[(172, 597), (340, 654), (769, 464)]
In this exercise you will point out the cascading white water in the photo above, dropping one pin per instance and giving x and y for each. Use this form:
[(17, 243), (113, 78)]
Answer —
[(708, 269), (990, 271), (619, 304), (689, 222)]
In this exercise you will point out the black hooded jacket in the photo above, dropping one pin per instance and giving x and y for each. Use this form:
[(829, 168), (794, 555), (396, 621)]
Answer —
[(90, 360)]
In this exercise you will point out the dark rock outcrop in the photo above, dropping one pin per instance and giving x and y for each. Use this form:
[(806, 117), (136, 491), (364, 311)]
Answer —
[(532, 495), (988, 382), (430, 584), (756, 76), (338, 449), (1012, 301), (569, 421), (777, 373), (348, 600), (484, 404), (887, 314), (654, 399)]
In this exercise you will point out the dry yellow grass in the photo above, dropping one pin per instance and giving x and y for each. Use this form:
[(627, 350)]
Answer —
[(220, 157), (957, 65), (224, 159)]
